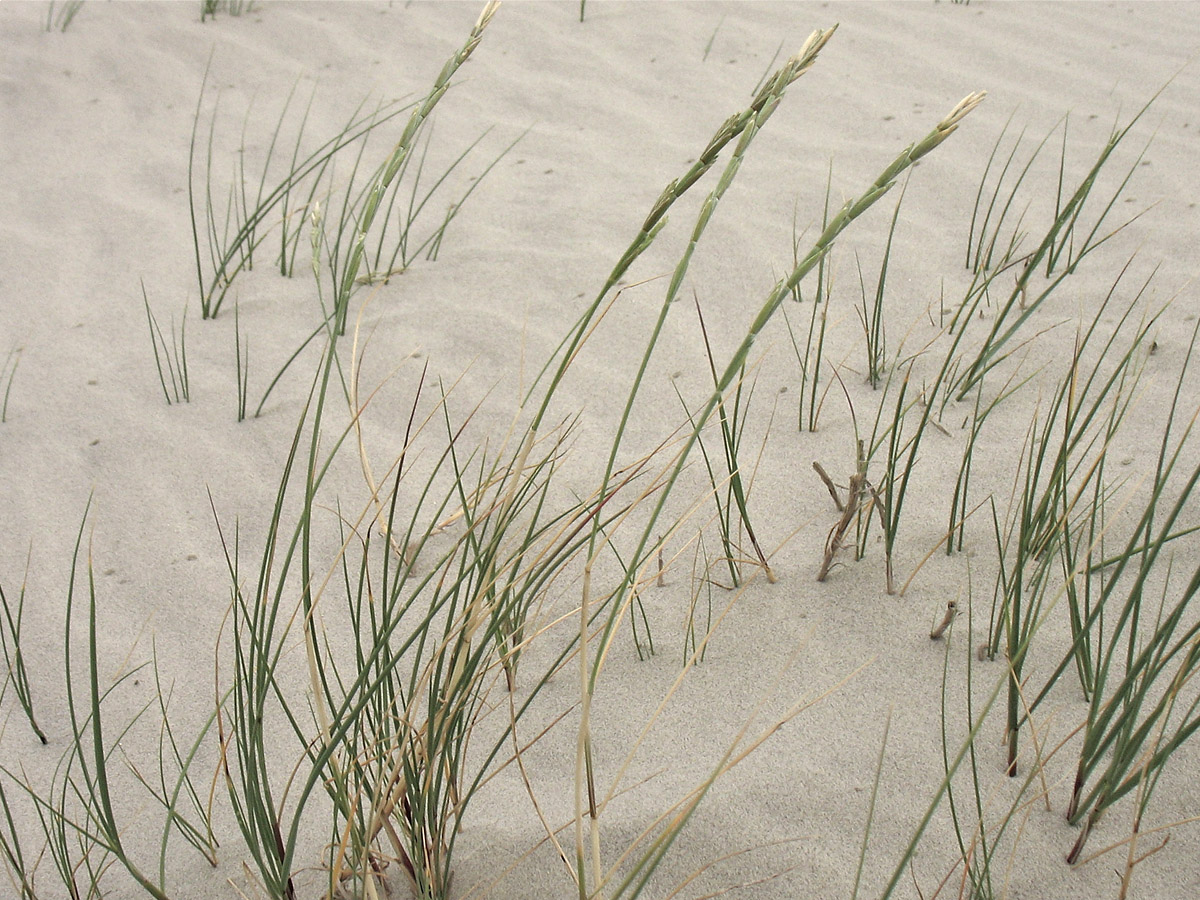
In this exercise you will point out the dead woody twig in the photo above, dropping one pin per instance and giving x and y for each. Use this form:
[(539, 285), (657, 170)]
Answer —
[(837, 534), (829, 485)]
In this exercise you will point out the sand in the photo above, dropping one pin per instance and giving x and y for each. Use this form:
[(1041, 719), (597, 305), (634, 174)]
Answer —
[(95, 129)]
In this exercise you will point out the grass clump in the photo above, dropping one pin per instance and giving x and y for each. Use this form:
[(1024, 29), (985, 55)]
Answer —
[(287, 198), (170, 356), (1019, 307), (83, 834), (810, 357), (1063, 464), (871, 314), (729, 490), (233, 236)]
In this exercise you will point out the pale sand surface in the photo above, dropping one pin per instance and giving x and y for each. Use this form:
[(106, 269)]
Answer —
[(95, 126)]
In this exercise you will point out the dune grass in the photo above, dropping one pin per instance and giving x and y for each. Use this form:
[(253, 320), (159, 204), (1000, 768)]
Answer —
[(241, 359), (386, 647), (352, 258), (15, 675), (810, 357), (871, 314), (1020, 306), (338, 215), (1133, 660), (284, 196), (83, 835), (1063, 463), (19, 871), (410, 787), (729, 489), (170, 355)]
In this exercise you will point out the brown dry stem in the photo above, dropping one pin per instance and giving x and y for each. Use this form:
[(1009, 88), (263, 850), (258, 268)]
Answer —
[(837, 534)]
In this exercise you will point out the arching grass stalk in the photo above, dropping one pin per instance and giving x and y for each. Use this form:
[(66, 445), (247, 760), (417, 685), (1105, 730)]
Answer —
[(744, 126), (287, 260), (814, 341), (1058, 196), (731, 129), (323, 327), (317, 242), (891, 499), (406, 250), (399, 154), (723, 512), (204, 305), (1065, 239), (172, 796), (344, 225), (814, 345), (886, 496), (245, 217), (849, 212), (241, 354), (702, 583), (962, 484), (721, 485), (979, 194)]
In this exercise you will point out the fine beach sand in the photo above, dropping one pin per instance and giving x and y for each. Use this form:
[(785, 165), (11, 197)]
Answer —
[(95, 128)]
